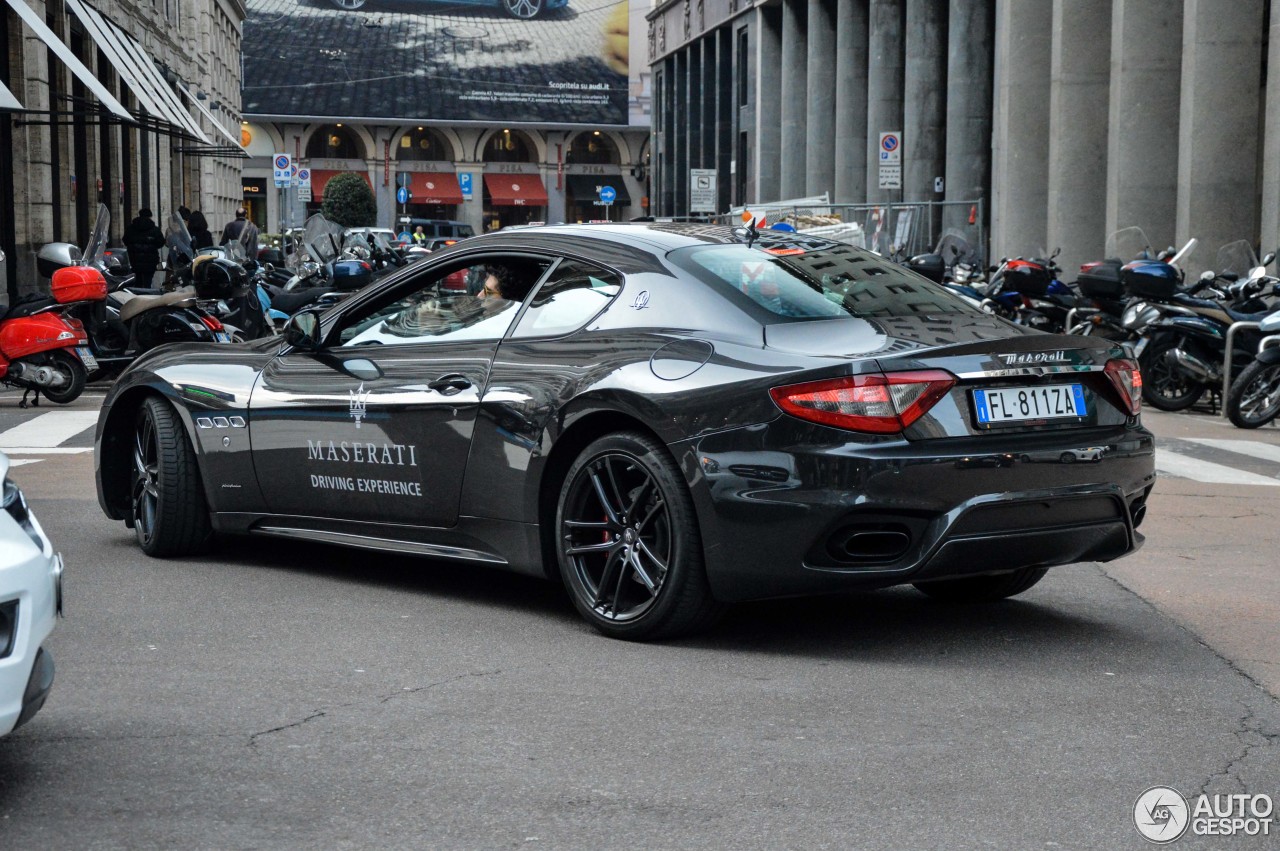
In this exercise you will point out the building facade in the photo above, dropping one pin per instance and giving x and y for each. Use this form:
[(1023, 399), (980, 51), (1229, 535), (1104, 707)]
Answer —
[(1067, 119), (129, 104), (488, 177)]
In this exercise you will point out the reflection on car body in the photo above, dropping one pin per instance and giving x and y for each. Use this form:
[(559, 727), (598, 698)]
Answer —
[(672, 418)]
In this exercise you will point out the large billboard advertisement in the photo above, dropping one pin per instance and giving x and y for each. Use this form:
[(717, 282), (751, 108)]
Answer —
[(494, 61)]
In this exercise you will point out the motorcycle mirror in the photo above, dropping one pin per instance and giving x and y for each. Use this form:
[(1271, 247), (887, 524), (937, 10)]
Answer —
[(1207, 275), (303, 331), (1186, 249), (1266, 261), (1056, 252)]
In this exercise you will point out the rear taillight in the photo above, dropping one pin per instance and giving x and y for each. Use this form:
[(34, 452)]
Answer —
[(880, 403), (212, 323), (1127, 379)]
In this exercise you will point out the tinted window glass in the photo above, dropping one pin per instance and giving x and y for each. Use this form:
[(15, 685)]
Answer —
[(822, 284), (462, 301), (573, 294)]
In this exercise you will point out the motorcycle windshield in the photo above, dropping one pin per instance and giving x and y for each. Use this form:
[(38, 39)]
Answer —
[(246, 247), (95, 250), (1128, 244), (1236, 257), (322, 238), (178, 240), (954, 248)]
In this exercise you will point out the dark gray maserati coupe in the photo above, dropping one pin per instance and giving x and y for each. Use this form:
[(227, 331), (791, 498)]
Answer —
[(667, 417)]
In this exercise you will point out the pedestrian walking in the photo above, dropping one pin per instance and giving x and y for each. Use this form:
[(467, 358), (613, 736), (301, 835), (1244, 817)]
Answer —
[(419, 236), (235, 227), (198, 227), (143, 239)]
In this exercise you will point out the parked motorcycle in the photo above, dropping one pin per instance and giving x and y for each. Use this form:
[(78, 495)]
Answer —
[(1185, 345), (42, 351), (123, 322), (1253, 399)]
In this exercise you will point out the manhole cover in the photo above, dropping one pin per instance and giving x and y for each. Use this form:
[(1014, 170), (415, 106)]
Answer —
[(465, 32)]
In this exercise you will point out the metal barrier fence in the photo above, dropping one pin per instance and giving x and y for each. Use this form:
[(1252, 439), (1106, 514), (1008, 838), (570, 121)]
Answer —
[(897, 230)]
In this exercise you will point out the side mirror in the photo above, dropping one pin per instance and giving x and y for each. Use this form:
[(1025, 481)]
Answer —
[(1266, 260), (1207, 275), (303, 331)]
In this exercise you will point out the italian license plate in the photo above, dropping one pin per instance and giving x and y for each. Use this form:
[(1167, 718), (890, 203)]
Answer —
[(222, 337), (1018, 404), (90, 362)]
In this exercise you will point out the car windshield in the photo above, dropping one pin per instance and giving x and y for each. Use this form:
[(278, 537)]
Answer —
[(800, 284)]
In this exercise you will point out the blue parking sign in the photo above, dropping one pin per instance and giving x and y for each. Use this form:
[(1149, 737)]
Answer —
[(464, 183)]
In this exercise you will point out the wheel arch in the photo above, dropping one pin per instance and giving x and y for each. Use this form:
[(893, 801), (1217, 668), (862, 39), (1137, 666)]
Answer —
[(112, 451)]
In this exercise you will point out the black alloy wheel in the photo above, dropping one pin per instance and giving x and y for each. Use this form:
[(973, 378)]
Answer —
[(627, 541), (523, 9), (71, 378), (982, 589), (348, 5), (1254, 399), (1164, 386), (169, 514)]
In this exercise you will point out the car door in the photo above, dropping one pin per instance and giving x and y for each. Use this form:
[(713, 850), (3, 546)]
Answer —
[(376, 424)]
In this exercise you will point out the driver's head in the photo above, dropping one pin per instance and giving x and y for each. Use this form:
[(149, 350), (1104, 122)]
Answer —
[(504, 282)]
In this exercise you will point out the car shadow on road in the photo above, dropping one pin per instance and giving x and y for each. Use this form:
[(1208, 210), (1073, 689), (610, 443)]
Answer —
[(897, 624)]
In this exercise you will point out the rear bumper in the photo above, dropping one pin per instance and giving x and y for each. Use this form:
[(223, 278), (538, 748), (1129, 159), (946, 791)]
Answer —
[(788, 508)]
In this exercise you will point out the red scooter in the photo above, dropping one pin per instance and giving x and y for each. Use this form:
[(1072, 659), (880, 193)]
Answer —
[(44, 352)]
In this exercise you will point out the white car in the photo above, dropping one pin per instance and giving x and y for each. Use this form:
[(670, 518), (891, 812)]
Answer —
[(30, 602)]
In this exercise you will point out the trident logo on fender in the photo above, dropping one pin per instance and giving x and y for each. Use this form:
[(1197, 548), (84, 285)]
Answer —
[(359, 403)]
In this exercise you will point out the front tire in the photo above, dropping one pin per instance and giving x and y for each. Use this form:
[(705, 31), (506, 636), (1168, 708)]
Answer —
[(1163, 386), (170, 516), (71, 369), (348, 5), (628, 544), (982, 589), (1254, 399)]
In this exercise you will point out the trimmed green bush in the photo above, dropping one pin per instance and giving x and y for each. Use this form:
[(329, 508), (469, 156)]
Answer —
[(349, 201)]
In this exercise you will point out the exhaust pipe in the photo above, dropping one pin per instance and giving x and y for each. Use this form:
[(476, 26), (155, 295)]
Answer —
[(36, 376), (1192, 366)]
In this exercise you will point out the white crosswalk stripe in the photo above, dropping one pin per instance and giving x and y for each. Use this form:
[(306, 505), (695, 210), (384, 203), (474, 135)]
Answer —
[(44, 434), (1187, 467), (1253, 448)]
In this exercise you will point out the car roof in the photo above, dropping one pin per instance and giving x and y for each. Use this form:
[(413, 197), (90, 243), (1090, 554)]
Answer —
[(656, 236)]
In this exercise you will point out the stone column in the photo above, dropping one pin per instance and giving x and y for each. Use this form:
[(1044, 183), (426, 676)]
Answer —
[(1271, 141), (1020, 136), (851, 101), (923, 110), (1080, 61), (884, 88), (1218, 126), (794, 69), (969, 95), (1142, 142), (820, 147), (768, 104)]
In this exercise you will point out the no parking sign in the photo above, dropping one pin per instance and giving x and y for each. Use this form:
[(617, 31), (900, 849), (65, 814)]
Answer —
[(283, 169), (891, 160)]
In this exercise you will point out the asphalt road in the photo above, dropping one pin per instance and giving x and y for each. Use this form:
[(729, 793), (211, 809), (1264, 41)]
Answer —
[(288, 696)]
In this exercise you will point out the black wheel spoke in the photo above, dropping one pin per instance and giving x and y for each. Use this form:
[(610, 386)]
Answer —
[(643, 575), (587, 524), (659, 563), (638, 499), (612, 568), (609, 510), (584, 549), (617, 493), (653, 512)]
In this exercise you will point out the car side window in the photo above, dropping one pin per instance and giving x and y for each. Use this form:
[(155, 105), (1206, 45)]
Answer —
[(574, 293), (468, 300)]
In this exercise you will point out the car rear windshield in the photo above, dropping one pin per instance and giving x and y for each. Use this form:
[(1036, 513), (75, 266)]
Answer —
[(781, 284)]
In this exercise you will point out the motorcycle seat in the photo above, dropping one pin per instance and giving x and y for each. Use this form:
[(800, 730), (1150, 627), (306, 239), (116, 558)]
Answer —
[(292, 302), (134, 305), (26, 306), (142, 290)]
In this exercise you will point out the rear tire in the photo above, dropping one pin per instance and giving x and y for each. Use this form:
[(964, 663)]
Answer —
[(72, 370), (1163, 387), (170, 515), (983, 589), (1254, 399), (628, 544)]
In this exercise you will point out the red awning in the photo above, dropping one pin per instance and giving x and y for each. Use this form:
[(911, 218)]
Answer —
[(321, 176), (515, 190), (434, 187)]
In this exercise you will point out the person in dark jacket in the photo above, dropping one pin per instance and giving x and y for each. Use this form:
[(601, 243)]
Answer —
[(144, 240), (231, 232), (198, 227)]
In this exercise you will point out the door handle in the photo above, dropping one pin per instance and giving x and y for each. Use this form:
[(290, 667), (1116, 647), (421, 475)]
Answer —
[(448, 385)]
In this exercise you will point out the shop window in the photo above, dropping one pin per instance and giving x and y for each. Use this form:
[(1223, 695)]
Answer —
[(335, 141), (509, 146), (593, 148)]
